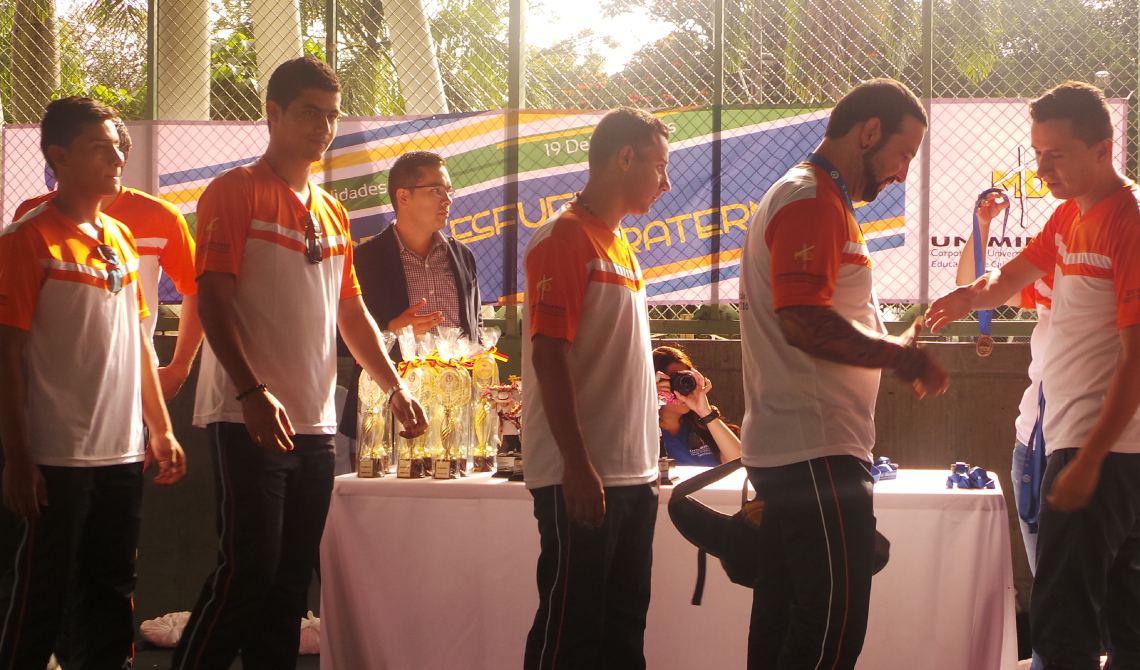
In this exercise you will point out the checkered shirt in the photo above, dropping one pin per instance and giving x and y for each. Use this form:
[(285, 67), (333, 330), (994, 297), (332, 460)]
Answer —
[(431, 278)]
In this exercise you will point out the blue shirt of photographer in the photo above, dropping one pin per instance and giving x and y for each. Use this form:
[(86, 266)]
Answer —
[(678, 448)]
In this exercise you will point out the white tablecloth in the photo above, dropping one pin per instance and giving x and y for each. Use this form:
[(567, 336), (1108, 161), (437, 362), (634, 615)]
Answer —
[(420, 574)]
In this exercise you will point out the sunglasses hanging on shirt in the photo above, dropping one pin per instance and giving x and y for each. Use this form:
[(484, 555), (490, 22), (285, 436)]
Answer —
[(314, 251), (114, 272)]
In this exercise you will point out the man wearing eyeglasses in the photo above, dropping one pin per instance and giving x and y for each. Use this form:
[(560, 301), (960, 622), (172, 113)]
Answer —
[(412, 274), (77, 382), (275, 282)]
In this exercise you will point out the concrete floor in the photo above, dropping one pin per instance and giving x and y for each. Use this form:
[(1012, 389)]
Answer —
[(160, 658)]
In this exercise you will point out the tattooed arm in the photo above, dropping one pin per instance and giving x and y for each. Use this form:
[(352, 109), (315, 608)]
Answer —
[(822, 333)]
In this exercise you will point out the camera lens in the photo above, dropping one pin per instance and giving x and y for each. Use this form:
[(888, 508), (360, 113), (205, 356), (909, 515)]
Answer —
[(683, 382)]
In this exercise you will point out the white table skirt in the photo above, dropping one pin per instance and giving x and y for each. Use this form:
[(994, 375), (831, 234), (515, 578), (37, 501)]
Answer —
[(421, 574)]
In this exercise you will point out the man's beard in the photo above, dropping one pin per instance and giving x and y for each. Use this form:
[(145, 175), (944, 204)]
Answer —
[(871, 181)]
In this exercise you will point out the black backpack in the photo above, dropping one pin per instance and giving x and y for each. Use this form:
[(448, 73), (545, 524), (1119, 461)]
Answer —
[(734, 539)]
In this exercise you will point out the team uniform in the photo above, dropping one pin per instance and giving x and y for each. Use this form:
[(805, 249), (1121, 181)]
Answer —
[(1088, 562), (271, 506), (83, 394), (584, 285), (808, 427), (161, 236)]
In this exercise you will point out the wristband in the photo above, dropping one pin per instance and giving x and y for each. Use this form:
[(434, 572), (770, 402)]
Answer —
[(400, 386), (248, 392), (712, 416)]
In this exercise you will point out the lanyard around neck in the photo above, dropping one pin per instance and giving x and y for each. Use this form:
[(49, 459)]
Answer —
[(822, 162)]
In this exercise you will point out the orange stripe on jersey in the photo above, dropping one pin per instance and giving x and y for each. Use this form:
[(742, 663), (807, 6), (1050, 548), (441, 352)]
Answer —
[(275, 238), (46, 245), (1085, 270), (611, 278)]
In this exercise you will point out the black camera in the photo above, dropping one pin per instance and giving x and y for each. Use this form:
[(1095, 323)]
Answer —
[(683, 382)]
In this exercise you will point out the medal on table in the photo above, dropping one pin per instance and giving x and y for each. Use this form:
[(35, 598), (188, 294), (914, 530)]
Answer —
[(985, 342)]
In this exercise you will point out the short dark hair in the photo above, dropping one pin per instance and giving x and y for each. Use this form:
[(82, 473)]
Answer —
[(1081, 104), (405, 171), (293, 76), (623, 127), (884, 99), (124, 138), (64, 120)]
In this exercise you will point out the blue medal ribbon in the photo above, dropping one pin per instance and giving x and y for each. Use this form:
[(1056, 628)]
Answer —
[(822, 162), (985, 316), (884, 469), (1033, 468), (966, 477)]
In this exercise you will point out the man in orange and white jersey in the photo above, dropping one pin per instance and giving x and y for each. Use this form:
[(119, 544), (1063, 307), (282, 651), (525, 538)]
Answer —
[(77, 383), (1087, 584), (591, 441), (813, 346), (165, 246), (275, 280)]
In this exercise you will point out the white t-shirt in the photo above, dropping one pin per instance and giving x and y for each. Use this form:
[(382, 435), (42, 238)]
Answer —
[(583, 284), (804, 247)]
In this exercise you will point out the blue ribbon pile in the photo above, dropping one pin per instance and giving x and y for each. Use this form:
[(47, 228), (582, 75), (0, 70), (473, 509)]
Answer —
[(884, 469), (969, 478)]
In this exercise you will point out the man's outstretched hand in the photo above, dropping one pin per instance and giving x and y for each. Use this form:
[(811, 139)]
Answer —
[(954, 305)]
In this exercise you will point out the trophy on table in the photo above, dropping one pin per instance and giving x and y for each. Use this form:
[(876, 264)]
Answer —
[(453, 392), (373, 425), (372, 421), (507, 399), (485, 374)]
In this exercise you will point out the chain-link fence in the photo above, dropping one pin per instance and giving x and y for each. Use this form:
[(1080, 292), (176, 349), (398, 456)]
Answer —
[(744, 85)]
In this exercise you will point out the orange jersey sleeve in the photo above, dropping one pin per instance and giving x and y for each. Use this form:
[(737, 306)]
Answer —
[(177, 259), (349, 285), (30, 204), (806, 241), (557, 275), (1126, 274), (225, 212), (1042, 249), (21, 276)]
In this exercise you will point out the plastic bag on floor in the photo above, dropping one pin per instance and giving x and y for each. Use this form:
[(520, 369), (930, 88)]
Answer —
[(310, 635), (165, 631)]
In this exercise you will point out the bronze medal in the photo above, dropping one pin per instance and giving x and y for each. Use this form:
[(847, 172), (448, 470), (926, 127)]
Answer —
[(984, 345)]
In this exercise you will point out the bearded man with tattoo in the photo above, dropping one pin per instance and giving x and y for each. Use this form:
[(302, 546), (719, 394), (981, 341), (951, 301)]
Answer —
[(813, 347)]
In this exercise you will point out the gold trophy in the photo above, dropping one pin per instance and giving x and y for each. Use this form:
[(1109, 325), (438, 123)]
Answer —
[(413, 452), (485, 374), (453, 392), (372, 422)]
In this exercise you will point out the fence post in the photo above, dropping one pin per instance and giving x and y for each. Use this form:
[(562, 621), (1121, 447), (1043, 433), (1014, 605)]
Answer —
[(924, 154), (714, 181), (152, 93), (516, 98), (330, 33)]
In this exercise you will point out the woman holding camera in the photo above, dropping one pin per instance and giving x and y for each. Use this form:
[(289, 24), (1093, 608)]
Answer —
[(692, 430)]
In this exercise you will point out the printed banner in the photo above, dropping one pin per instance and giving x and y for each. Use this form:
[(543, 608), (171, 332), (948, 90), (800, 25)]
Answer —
[(689, 250)]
